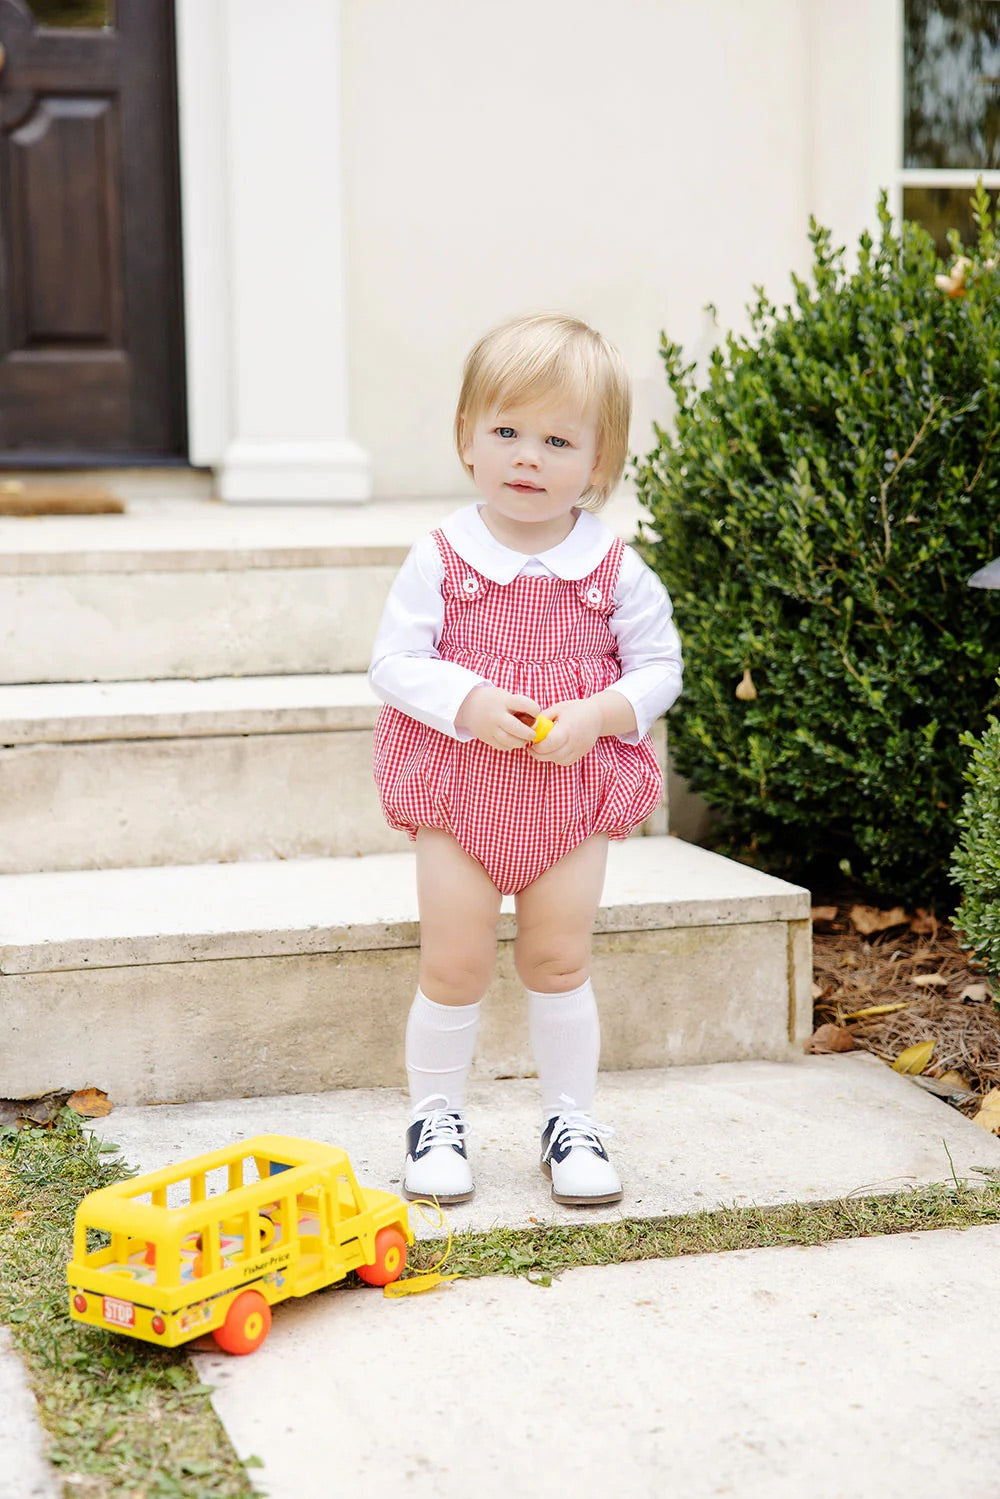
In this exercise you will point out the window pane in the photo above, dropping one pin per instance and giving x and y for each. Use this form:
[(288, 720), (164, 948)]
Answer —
[(952, 83), (940, 209), (97, 14)]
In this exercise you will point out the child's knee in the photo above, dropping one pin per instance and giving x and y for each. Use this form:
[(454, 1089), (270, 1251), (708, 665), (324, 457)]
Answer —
[(456, 978), (552, 968)]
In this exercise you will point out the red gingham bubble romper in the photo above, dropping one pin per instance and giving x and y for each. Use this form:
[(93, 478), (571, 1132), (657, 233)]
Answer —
[(548, 639)]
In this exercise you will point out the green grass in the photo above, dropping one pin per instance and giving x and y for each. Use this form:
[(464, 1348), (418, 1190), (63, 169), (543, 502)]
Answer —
[(128, 1419), (123, 1417), (540, 1253)]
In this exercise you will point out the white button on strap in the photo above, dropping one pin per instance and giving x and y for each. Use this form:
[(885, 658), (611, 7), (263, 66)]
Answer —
[(594, 596), (470, 585)]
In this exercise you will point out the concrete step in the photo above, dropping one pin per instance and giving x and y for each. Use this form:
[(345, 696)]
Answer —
[(208, 981), (193, 588), (114, 774), (108, 775)]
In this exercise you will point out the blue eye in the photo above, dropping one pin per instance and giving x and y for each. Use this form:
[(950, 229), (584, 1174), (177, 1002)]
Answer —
[(505, 431), (559, 442)]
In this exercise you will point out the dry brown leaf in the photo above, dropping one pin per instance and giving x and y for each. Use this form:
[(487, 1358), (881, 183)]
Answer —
[(827, 1038), (817, 991), (988, 1114), (924, 923), (914, 1058), (92, 1103), (974, 994), (823, 913), (42, 1110), (929, 980), (869, 919)]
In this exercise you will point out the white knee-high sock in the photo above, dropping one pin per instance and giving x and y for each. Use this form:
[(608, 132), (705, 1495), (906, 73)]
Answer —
[(440, 1041), (565, 1034)]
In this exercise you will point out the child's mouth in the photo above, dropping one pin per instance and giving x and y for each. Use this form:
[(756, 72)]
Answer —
[(526, 488)]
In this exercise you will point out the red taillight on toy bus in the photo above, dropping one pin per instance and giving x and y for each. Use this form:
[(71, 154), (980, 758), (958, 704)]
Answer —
[(79, 1303), (158, 1325)]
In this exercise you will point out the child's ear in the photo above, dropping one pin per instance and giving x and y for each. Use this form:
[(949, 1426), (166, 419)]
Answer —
[(464, 439)]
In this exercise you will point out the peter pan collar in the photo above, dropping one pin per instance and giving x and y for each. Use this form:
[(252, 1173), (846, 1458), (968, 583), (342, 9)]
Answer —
[(575, 557)]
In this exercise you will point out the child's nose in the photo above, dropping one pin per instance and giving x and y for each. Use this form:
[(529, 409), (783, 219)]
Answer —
[(528, 452)]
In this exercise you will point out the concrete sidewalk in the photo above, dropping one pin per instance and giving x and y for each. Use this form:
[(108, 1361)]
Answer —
[(24, 1471), (853, 1369)]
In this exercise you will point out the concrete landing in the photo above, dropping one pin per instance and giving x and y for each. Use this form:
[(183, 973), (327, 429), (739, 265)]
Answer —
[(687, 1138), (852, 1369)]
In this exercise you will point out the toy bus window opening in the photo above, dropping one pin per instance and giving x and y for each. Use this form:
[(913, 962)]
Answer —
[(348, 1198), (222, 1239)]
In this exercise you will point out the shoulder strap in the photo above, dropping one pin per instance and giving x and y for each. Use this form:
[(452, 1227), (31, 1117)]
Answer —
[(461, 580), (598, 588)]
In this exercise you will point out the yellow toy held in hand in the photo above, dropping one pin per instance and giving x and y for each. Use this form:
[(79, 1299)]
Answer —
[(541, 725)]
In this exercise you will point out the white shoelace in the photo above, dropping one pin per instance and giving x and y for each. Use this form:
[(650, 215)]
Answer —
[(441, 1126), (574, 1127)]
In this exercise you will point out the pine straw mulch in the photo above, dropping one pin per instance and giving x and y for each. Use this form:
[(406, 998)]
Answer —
[(854, 970)]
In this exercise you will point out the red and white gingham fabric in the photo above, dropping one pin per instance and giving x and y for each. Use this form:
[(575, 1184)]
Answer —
[(548, 639)]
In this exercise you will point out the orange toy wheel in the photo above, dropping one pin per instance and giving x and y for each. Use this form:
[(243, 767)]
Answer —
[(247, 1324), (390, 1258)]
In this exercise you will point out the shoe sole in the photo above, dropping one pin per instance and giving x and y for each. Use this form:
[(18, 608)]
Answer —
[(443, 1200), (575, 1200)]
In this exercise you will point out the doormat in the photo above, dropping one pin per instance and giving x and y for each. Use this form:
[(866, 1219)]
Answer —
[(20, 497)]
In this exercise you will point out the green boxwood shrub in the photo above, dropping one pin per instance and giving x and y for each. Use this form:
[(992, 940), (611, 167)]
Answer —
[(976, 866), (816, 511)]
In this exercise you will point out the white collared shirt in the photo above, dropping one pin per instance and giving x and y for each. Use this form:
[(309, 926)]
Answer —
[(408, 672)]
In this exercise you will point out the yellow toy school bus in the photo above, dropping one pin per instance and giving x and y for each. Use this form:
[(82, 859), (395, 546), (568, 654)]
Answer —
[(181, 1254)]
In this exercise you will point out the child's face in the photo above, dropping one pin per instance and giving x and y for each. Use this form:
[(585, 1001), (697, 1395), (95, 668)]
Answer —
[(531, 464)]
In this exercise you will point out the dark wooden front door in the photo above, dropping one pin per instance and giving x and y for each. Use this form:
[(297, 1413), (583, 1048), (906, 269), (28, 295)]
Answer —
[(91, 337)]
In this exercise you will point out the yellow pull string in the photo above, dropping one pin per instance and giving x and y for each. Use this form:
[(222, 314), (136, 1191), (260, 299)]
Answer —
[(415, 1284)]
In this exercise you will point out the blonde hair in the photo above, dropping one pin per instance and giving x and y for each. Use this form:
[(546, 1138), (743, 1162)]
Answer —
[(531, 358)]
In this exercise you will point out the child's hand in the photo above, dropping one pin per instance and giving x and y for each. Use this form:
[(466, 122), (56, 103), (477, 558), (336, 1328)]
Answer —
[(578, 726), (488, 714)]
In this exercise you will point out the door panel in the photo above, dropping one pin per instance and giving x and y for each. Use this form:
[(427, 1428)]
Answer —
[(65, 147), (91, 345)]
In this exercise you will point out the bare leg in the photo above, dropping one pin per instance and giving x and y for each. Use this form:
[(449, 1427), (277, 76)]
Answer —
[(555, 919), (459, 909)]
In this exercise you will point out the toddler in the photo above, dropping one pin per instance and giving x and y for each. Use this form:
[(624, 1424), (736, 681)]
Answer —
[(522, 604)]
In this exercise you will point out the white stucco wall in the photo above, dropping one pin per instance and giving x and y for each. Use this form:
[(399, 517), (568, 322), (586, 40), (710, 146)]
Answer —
[(628, 163)]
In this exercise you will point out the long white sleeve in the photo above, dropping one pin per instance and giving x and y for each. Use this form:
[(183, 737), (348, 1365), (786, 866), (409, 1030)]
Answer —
[(649, 646), (407, 671)]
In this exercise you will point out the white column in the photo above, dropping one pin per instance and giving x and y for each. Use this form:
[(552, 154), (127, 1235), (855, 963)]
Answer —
[(259, 92)]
